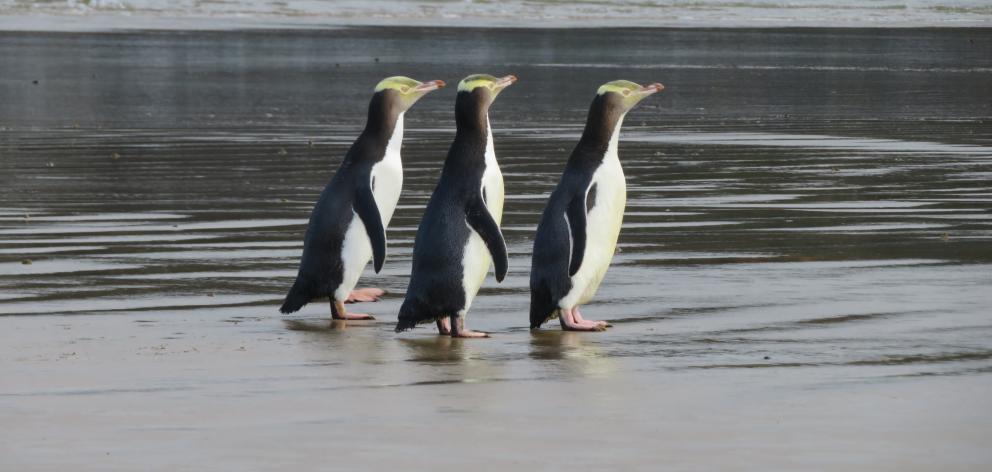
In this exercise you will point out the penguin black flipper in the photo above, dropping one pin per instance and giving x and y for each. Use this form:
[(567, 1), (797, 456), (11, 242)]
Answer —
[(367, 210), (577, 228), (479, 219)]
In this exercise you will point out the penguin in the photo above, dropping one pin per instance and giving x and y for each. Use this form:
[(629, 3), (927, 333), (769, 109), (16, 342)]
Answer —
[(459, 236), (348, 223), (578, 231)]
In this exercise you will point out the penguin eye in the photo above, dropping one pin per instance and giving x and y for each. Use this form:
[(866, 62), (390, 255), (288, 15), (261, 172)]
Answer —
[(626, 92), (404, 89), (491, 86)]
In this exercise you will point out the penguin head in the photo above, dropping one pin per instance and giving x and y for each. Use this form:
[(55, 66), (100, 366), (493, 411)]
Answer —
[(403, 92), (624, 94), (483, 88)]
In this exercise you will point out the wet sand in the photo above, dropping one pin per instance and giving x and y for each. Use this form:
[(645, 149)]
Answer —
[(802, 280)]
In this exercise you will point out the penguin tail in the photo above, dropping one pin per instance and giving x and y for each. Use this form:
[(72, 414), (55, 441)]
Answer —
[(406, 319), (542, 306), (295, 300), (409, 317), (539, 317)]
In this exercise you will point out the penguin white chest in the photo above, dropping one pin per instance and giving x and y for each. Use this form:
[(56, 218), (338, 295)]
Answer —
[(387, 175), (386, 179), (492, 183), (476, 259), (606, 199)]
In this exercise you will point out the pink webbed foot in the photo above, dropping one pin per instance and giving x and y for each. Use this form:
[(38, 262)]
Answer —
[(338, 312), (578, 319), (458, 329), (470, 334), (569, 323), (593, 325), (367, 294)]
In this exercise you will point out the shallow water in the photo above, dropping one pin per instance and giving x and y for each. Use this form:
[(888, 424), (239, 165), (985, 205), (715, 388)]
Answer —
[(802, 279)]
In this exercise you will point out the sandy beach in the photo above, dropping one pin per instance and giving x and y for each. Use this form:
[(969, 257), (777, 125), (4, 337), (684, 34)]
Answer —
[(802, 281)]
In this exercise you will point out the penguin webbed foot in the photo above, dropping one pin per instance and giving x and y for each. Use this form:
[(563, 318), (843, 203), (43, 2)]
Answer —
[(578, 318), (585, 326), (458, 329), (354, 316), (471, 334), (338, 312), (571, 320), (367, 294)]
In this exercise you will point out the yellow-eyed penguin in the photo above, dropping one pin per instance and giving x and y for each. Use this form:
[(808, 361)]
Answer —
[(578, 231), (459, 235), (348, 223)]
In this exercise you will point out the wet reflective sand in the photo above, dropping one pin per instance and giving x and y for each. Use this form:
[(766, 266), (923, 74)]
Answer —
[(802, 282)]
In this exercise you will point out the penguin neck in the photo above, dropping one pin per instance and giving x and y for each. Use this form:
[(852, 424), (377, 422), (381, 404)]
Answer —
[(601, 135), (611, 148), (473, 131), (395, 141), (385, 122), (490, 149)]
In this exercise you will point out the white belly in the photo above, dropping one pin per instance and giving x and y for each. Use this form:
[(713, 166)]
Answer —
[(387, 180), (476, 259), (602, 229), (355, 255)]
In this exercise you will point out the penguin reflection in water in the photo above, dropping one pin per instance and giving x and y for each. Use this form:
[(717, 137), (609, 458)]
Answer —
[(460, 228), (348, 223), (578, 231)]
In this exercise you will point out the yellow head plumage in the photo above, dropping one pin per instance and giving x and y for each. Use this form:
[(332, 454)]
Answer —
[(631, 93)]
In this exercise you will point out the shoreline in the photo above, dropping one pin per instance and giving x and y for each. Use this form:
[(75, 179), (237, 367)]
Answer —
[(88, 21)]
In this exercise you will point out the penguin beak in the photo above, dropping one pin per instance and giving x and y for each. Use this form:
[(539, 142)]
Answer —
[(429, 86), (504, 82), (649, 89)]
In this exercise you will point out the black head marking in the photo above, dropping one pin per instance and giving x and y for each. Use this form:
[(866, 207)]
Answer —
[(472, 108), (604, 115), (384, 109)]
